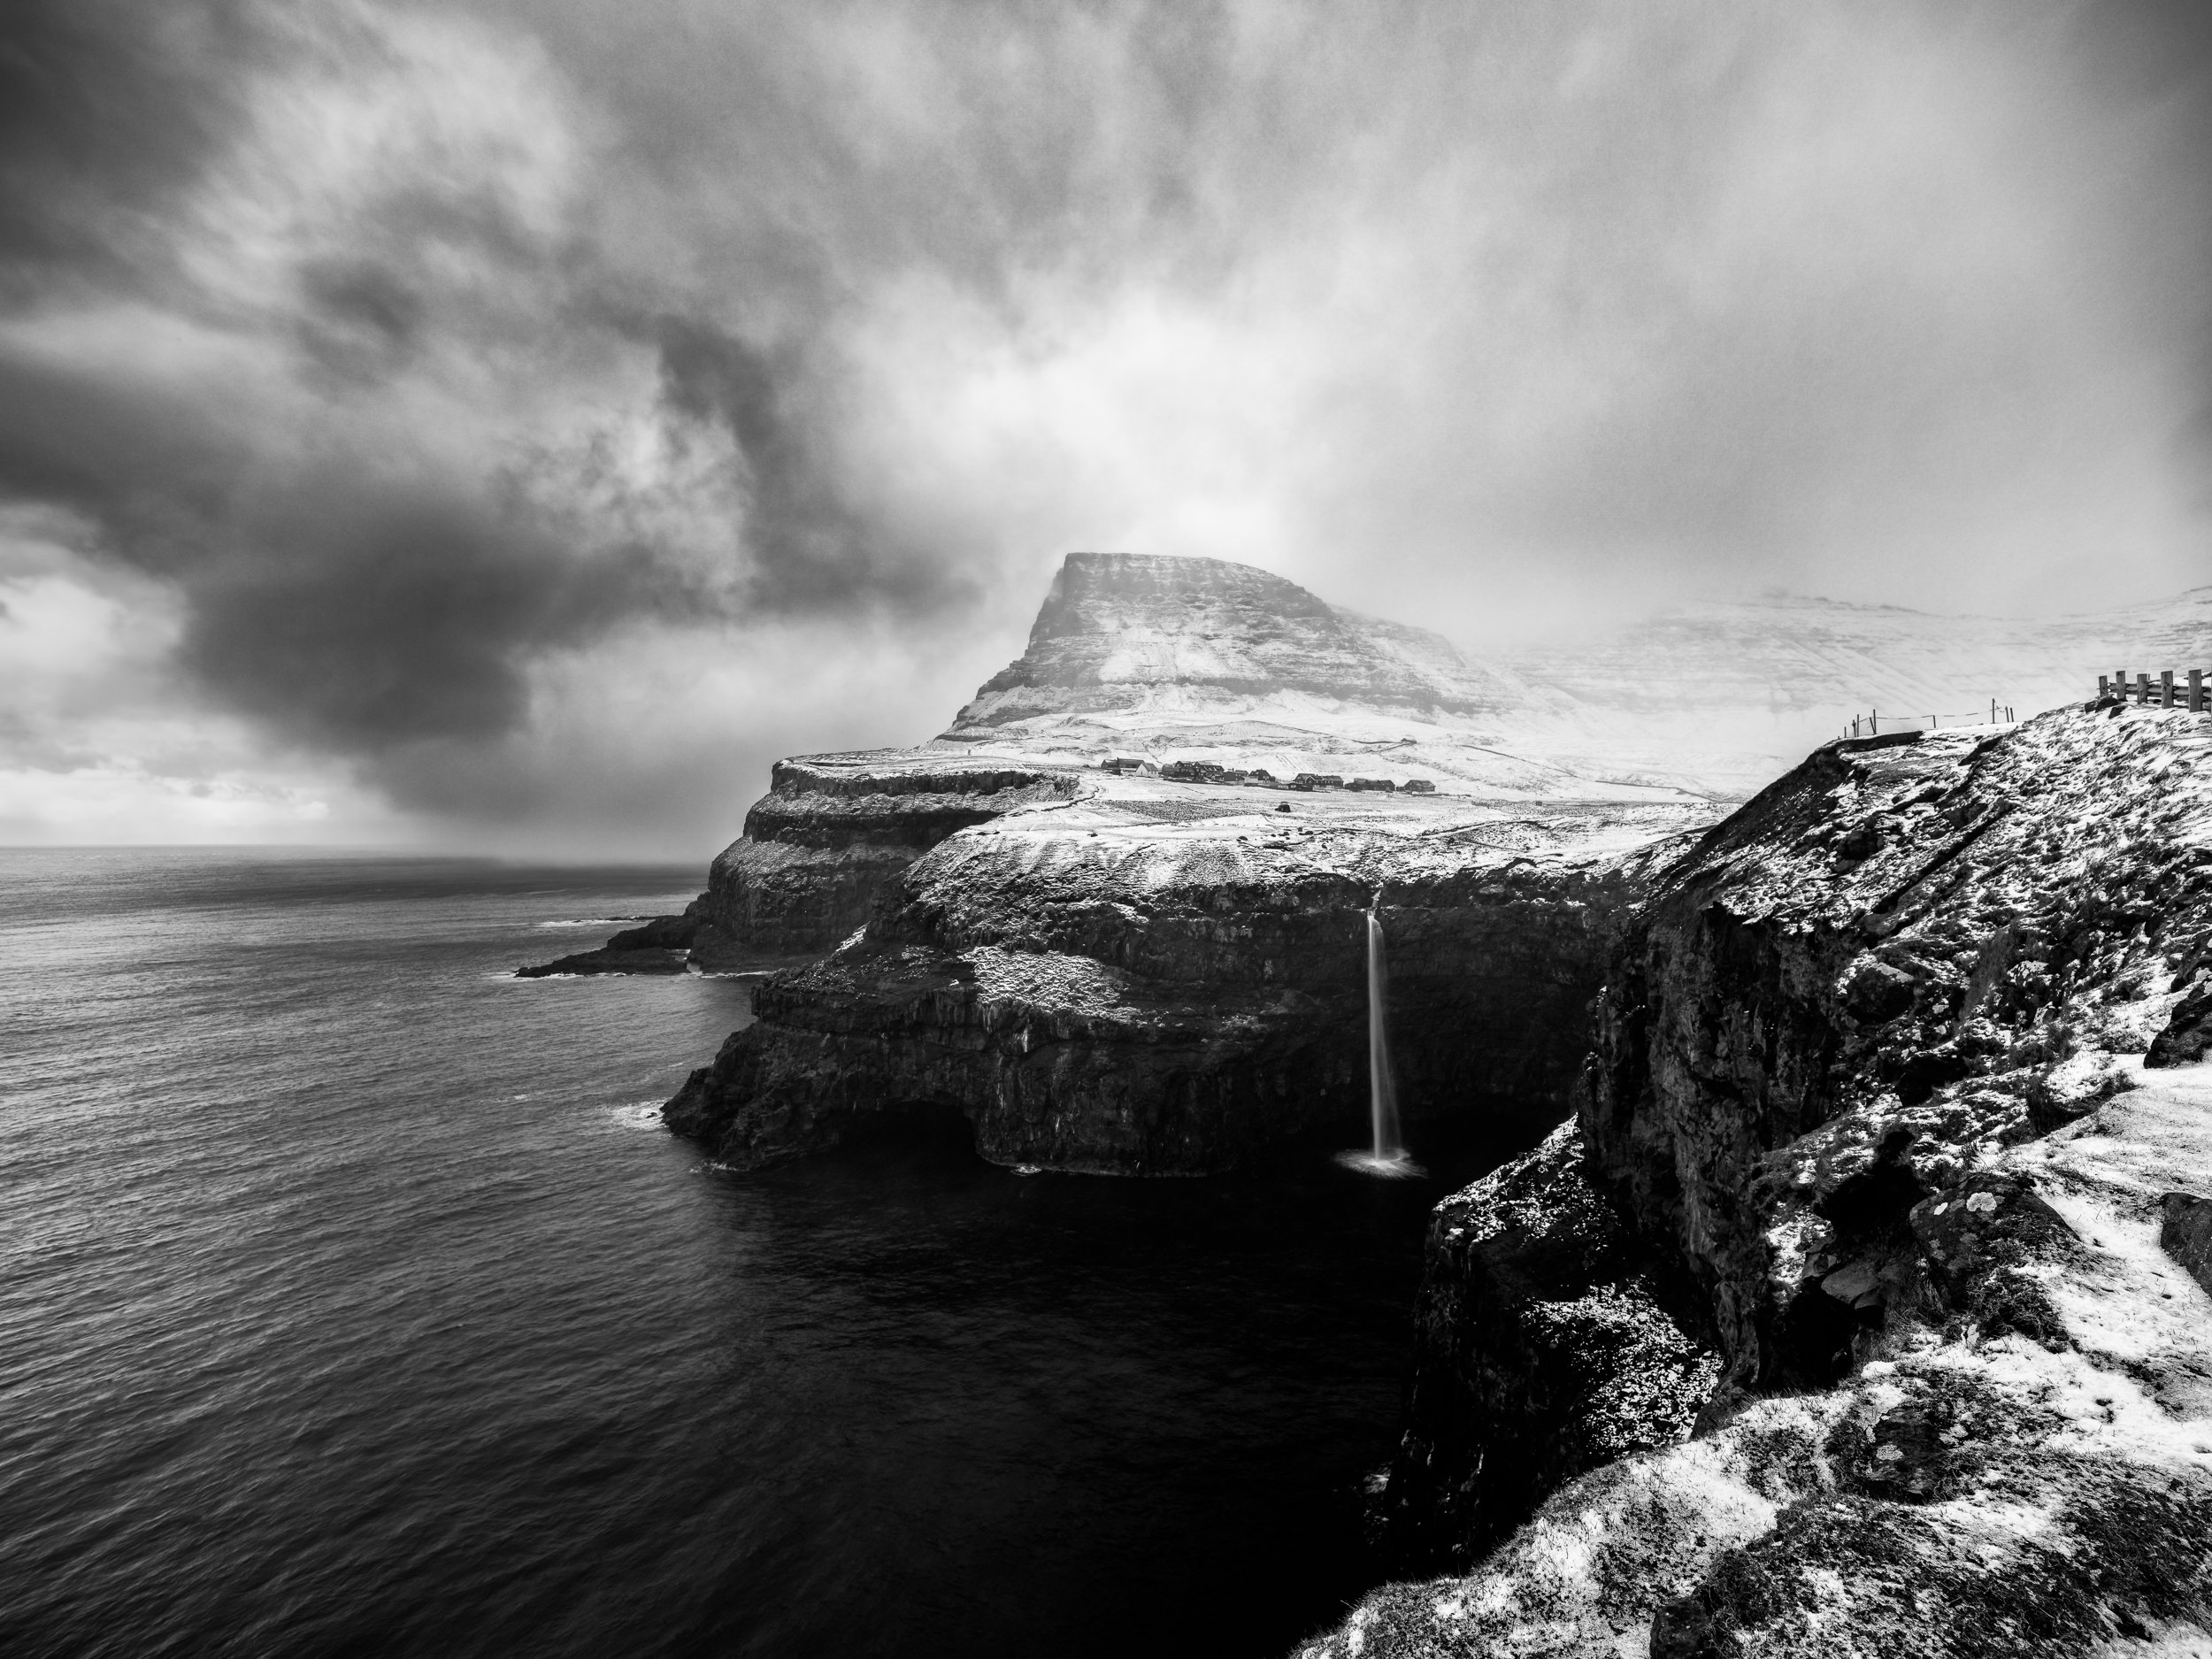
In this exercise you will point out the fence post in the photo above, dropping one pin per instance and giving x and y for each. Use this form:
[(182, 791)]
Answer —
[(2143, 689), (2120, 685), (2165, 687), (2196, 690), (2103, 686)]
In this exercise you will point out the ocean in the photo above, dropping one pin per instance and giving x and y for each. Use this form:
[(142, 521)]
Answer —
[(353, 1302)]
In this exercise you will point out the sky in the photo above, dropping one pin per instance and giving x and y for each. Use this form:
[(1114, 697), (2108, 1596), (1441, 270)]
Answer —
[(506, 426)]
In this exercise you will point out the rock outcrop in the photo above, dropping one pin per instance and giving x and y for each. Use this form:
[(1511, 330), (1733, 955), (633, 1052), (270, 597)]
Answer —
[(1547, 1344), (831, 837), (834, 832), (1140, 983), (1874, 1083)]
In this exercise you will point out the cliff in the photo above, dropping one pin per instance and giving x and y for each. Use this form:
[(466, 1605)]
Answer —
[(1142, 983), (1889, 1178), (836, 832), (831, 836)]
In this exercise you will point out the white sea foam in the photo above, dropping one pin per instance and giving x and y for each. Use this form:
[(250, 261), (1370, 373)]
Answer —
[(645, 1114)]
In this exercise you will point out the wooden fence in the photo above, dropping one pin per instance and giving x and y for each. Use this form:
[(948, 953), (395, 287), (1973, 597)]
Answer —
[(1876, 723), (2162, 693)]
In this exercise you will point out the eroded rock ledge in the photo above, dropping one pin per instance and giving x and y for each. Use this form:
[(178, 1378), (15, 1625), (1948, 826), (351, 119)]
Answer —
[(1143, 984), (1897, 1076), (832, 836)]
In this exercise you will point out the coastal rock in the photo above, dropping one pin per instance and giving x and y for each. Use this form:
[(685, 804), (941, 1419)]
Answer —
[(1861, 987), (832, 836), (1869, 1073), (1125, 986), (835, 833), (611, 958), (1546, 1345), (663, 944)]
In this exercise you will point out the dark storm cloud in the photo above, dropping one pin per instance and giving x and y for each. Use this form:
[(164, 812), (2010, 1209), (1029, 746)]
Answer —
[(342, 606), (362, 320), (424, 349), (370, 614), (107, 108), (812, 549), (368, 599)]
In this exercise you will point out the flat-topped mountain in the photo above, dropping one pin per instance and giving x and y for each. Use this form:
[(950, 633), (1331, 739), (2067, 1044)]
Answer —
[(1210, 663), (1124, 634)]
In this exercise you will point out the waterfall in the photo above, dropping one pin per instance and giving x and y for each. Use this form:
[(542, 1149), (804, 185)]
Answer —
[(1386, 1154), (1382, 1094)]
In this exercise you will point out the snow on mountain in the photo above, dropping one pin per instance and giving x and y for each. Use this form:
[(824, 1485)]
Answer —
[(1205, 660), (1736, 691)]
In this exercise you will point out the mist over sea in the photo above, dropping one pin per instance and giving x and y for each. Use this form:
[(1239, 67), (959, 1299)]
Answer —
[(352, 1301)]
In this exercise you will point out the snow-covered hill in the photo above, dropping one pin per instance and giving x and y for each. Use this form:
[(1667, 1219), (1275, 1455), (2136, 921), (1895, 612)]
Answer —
[(1735, 693), (1187, 659), (1204, 660)]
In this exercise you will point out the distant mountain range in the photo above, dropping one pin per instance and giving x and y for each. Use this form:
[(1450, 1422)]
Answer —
[(1200, 659), (1737, 692)]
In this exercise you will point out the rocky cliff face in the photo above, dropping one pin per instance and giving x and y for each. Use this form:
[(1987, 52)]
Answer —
[(832, 836), (1138, 983), (1895, 1074), (1890, 967), (834, 832), (1547, 1343)]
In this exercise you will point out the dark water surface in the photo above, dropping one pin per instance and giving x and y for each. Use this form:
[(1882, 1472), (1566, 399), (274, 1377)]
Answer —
[(352, 1301)]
